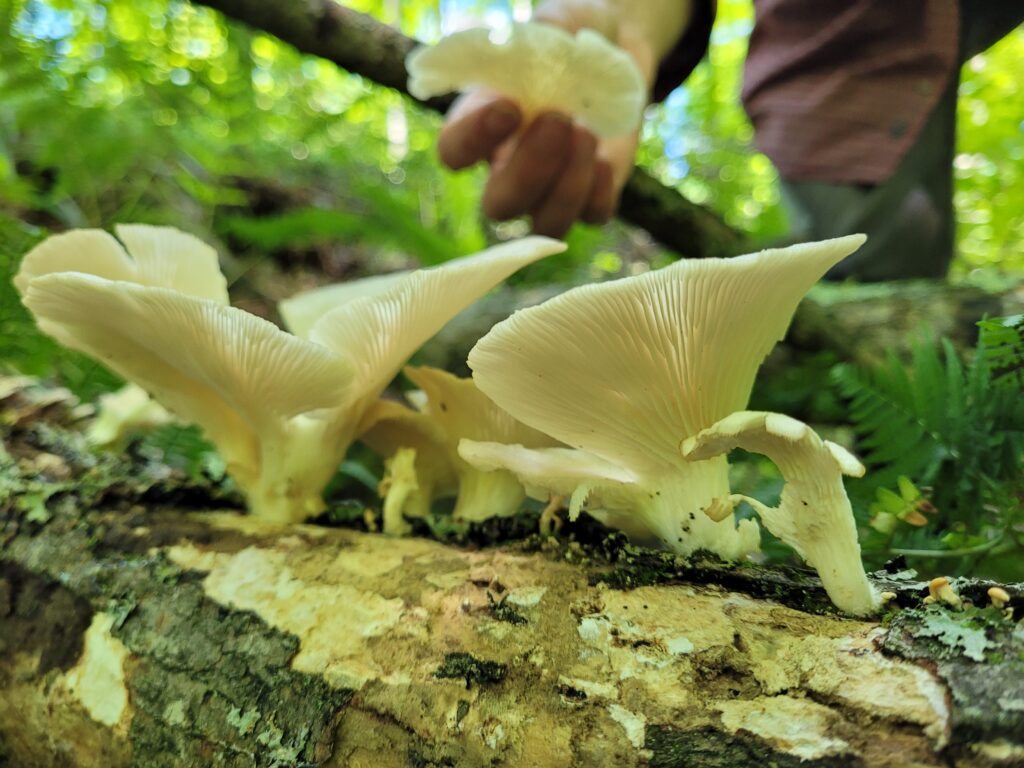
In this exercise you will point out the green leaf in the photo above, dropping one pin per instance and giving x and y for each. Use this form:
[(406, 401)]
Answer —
[(908, 491)]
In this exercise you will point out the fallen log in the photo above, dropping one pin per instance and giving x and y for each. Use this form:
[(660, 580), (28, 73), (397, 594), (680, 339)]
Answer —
[(135, 632)]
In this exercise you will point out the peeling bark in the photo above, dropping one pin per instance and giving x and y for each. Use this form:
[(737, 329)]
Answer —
[(140, 635), (364, 46)]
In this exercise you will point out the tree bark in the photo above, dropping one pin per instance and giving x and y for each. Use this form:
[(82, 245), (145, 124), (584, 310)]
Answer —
[(134, 632), (364, 46)]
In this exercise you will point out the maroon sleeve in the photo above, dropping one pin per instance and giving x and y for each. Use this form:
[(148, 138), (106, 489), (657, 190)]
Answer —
[(688, 52)]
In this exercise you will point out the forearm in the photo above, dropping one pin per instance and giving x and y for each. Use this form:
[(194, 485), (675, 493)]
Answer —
[(648, 29)]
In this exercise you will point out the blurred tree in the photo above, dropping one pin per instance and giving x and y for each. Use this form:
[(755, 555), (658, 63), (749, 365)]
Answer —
[(163, 106)]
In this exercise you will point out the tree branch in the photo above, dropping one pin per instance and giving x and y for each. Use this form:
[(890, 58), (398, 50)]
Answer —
[(364, 46)]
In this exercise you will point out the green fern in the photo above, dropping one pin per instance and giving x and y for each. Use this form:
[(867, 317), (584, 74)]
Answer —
[(954, 428), (1002, 342)]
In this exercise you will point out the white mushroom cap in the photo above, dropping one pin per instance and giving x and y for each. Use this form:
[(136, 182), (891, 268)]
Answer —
[(462, 411), (541, 67), (546, 471), (233, 373), (814, 515), (377, 333), (301, 312), (626, 369), (452, 409), (161, 257)]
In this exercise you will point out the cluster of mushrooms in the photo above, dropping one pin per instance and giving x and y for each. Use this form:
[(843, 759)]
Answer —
[(621, 398)]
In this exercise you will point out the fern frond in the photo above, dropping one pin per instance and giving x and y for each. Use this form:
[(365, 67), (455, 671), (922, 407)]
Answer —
[(892, 437), (1001, 348)]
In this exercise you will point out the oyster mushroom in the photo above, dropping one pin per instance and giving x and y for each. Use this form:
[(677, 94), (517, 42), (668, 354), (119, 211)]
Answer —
[(542, 68), (625, 370), (449, 409), (813, 516), (282, 410)]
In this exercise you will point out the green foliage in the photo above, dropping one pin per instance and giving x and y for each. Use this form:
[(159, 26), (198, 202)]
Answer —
[(954, 429), (169, 109), (908, 506), (164, 106), (700, 140), (989, 172), (1002, 343)]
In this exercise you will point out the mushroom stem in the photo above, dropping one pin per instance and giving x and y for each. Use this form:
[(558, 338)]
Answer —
[(550, 523), (838, 565), (487, 494), (293, 471), (675, 511), (399, 488)]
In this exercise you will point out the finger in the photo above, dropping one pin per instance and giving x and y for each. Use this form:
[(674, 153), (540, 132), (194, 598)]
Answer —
[(602, 202), (524, 178), (473, 134), (566, 200)]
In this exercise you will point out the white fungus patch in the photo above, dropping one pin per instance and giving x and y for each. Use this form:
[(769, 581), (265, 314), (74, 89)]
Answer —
[(593, 689), (97, 681), (333, 621), (1002, 751), (174, 713), (526, 597), (633, 724), (798, 727)]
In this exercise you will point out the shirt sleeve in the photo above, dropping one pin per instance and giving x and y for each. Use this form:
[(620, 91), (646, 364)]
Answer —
[(688, 52)]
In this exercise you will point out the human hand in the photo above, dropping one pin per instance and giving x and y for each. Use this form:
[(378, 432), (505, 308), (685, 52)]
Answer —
[(552, 170)]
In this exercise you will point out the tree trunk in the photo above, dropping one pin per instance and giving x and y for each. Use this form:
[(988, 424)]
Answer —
[(136, 633), (364, 46)]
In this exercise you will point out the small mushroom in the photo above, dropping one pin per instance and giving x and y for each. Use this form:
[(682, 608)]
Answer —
[(390, 428), (941, 591), (813, 516), (450, 409), (1000, 597), (399, 483), (129, 409), (540, 67)]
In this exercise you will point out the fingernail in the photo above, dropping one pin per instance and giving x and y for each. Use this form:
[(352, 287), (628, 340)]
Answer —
[(501, 120)]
